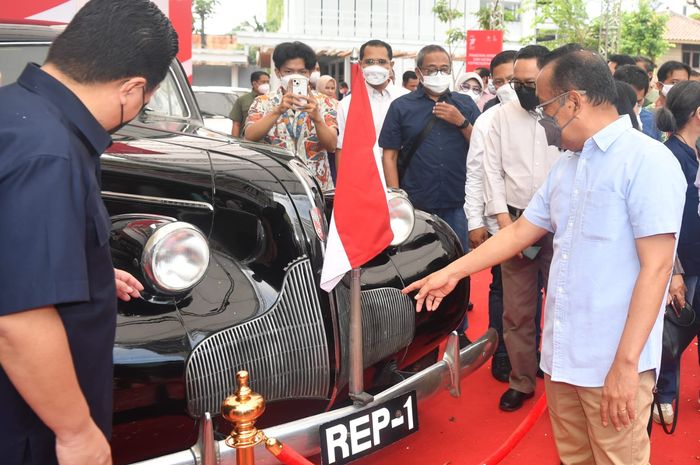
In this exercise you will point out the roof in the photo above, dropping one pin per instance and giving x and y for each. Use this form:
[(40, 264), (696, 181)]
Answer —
[(682, 30)]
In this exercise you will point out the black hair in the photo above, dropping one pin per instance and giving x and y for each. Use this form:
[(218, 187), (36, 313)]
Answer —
[(583, 70), (376, 43), (682, 102), (427, 50), (533, 51), (626, 101), (648, 64), (257, 75), (343, 84), (507, 56), (622, 59), (408, 75), (108, 40), (669, 67), (634, 75), (482, 72), (291, 50), (561, 51)]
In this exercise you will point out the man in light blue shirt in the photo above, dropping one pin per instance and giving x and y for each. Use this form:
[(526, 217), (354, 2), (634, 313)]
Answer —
[(614, 204)]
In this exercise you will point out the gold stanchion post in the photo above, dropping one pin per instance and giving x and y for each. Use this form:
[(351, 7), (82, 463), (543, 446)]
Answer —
[(242, 409)]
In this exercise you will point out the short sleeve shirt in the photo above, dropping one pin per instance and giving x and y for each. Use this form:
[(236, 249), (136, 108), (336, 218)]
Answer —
[(437, 172), (296, 132), (621, 187), (54, 244), (241, 107)]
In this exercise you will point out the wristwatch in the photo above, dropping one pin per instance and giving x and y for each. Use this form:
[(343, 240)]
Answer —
[(464, 125)]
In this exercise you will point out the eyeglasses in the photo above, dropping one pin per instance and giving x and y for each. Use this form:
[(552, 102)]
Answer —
[(433, 71), (372, 61), (539, 109), (467, 87), (518, 85)]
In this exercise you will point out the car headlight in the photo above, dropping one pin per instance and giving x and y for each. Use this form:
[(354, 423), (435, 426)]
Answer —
[(175, 257), (401, 215)]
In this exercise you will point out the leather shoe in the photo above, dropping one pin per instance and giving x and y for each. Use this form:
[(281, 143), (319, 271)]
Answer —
[(512, 400), (500, 367)]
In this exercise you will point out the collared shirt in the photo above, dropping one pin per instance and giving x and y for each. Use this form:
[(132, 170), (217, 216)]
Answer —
[(621, 187), (474, 206), (436, 175), (295, 131), (379, 102), (54, 241), (516, 160)]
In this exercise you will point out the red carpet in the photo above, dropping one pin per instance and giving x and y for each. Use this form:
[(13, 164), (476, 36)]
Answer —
[(465, 431)]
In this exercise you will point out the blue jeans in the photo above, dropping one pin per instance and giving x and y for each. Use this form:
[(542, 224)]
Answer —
[(667, 383), (457, 220)]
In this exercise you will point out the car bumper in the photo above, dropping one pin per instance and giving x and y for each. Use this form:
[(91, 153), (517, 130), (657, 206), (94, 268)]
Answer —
[(302, 435)]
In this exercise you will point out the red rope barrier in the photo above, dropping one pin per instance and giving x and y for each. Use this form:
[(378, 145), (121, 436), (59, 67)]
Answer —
[(517, 435), (285, 454)]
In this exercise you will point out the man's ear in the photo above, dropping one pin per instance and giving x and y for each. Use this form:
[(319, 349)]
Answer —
[(131, 85)]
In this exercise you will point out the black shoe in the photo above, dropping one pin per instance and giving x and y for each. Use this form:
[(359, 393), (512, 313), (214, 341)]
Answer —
[(463, 340), (512, 400), (500, 367)]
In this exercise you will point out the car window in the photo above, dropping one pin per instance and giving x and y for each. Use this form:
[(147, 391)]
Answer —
[(13, 59), (215, 103), (167, 101)]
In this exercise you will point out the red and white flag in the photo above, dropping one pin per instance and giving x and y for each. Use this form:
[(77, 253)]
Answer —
[(360, 227)]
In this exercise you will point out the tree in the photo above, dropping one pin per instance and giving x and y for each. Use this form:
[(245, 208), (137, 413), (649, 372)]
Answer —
[(570, 22), (203, 9), (275, 11), (643, 32), (447, 15), (494, 16)]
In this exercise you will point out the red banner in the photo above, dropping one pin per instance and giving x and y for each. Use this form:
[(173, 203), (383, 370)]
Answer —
[(482, 46)]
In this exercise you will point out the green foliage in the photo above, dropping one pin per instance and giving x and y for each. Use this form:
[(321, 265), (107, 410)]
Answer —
[(643, 32), (570, 20), (695, 16), (446, 14), (484, 14), (255, 26), (203, 9), (275, 11)]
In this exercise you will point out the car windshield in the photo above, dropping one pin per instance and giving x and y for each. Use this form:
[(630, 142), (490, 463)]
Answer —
[(215, 103), (166, 102)]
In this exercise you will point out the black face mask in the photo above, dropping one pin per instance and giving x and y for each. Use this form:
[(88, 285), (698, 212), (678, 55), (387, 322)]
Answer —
[(528, 99), (121, 117)]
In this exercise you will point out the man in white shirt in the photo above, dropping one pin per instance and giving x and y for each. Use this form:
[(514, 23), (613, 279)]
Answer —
[(517, 160), (481, 226), (376, 60)]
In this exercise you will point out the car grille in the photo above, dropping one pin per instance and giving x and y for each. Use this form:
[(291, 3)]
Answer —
[(388, 324), (285, 351)]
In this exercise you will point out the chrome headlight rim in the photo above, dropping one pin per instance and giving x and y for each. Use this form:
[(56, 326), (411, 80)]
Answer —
[(151, 248), (402, 227)]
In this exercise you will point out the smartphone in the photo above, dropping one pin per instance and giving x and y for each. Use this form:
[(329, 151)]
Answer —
[(532, 251), (300, 87)]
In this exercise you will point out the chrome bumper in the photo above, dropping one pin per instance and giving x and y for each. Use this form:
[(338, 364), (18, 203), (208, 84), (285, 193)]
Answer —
[(302, 435)]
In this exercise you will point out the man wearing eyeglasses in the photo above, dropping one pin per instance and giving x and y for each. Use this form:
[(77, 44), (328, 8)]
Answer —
[(614, 202), (376, 60), (427, 134), (516, 163)]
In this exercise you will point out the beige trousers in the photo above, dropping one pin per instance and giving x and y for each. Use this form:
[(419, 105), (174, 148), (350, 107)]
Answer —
[(519, 308), (579, 433)]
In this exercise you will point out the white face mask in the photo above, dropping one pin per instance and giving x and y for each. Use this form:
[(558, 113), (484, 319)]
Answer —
[(313, 78), (505, 93), (471, 93), (666, 89), (284, 80), (375, 75), (263, 89), (437, 84)]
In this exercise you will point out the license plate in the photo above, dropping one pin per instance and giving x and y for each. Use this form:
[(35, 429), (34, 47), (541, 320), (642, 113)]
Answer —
[(360, 434)]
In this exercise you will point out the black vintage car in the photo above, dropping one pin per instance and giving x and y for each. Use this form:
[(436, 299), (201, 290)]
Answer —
[(228, 238)]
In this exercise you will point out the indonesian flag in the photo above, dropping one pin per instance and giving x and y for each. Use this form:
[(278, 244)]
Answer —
[(360, 227)]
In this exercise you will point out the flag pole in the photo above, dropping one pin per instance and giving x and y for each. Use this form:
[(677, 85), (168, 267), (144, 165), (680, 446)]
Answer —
[(356, 382)]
